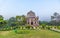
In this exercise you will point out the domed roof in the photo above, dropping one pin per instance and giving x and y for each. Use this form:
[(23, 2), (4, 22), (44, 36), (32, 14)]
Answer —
[(31, 12)]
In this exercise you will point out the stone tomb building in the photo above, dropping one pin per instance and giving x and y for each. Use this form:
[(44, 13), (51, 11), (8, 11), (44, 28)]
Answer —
[(32, 19)]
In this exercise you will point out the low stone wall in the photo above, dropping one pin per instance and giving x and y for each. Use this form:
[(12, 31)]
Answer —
[(56, 30)]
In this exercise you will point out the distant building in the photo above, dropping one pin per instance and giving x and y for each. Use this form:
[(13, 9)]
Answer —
[(32, 19), (56, 17)]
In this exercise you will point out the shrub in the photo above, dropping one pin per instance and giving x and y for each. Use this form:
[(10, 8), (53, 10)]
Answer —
[(54, 27), (28, 27), (49, 27), (43, 26), (58, 27), (21, 31)]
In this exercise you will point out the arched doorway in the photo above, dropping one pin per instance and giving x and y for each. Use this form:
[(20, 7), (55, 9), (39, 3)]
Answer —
[(31, 23)]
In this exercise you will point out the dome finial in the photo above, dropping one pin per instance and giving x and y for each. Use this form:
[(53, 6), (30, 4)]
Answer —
[(31, 12)]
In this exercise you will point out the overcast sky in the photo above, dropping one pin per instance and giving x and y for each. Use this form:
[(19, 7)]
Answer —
[(42, 8)]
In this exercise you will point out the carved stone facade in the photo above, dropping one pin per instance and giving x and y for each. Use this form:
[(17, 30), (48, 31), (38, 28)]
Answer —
[(32, 19)]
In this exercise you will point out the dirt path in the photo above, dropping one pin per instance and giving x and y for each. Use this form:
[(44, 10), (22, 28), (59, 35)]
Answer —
[(4, 32)]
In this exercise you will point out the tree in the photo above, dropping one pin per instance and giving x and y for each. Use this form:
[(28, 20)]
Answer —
[(56, 14), (43, 26), (3, 22), (1, 17), (40, 22), (18, 18), (52, 17), (21, 20), (12, 21), (24, 20), (44, 22), (55, 19)]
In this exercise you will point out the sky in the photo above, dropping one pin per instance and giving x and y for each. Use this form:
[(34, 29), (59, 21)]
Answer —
[(42, 8)]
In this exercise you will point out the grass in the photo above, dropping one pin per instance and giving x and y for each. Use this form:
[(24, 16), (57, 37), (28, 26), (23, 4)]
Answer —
[(31, 34)]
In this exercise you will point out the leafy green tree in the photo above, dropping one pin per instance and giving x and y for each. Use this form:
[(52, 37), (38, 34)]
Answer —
[(1, 17), (3, 22), (43, 26), (44, 22), (21, 20), (24, 19), (12, 21), (18, 20)]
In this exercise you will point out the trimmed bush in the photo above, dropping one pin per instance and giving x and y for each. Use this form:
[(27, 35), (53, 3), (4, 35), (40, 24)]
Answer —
[(48, 27), (28, 27), (58, 27), (21, 31)]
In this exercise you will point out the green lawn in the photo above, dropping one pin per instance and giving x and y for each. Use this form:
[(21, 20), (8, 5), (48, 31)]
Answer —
[(32, 34)]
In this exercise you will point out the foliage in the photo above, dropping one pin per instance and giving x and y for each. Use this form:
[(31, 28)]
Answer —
[(58, 27), (55, 19), (28, 26), (48, 27), (11, 21), (21, 31), (43, 26), (3, 22), (18, 21), (43, 22), (21, 20), (31, 34), (1, 17)]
